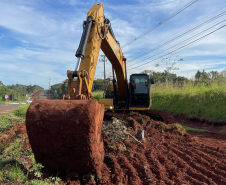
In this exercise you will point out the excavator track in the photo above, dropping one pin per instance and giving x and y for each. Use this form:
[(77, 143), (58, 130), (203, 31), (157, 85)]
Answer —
[(166, 117), (154, 114)]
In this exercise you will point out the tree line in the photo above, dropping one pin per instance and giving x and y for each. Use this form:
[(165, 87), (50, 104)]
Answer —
[(165, 77), (58, 90), (209, 77), (18, 91)]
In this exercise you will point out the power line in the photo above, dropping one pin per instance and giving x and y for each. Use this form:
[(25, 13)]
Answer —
[(183, 34), (181, 48), (161, 22), (209, 18), (181, 42), (204, 20)]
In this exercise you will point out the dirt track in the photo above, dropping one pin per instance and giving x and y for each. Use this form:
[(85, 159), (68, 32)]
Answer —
[(166, 157)]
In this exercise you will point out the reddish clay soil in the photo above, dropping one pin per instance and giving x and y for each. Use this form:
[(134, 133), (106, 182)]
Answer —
[(165, 157), (61, 140), (213, 126), (35, 95), (12, 132)]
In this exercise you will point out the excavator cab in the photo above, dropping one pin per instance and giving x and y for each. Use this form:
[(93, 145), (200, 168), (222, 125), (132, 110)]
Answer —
[(139, 91)]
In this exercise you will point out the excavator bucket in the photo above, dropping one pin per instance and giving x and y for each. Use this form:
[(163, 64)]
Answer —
[(66, 134)]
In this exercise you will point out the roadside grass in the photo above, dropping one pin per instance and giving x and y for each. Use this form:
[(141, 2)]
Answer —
[(201, 101), (195, 129), (10, 101), (10, 170), (15, 162), (21, 111), (7, 120), (97, 95), (17, 116)]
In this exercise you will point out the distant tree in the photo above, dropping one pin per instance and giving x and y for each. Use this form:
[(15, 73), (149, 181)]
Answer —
[(198, 76), (1, 84), (169, 65), (150, 72), (161, 77), (214, 75), (203, 77), (98, 85), (23, 89), (223, 73)]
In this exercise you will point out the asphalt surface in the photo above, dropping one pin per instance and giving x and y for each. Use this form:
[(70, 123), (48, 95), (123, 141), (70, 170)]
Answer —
[(7, 108), (44, 94)]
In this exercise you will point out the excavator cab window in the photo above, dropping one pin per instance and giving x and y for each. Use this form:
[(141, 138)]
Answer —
[(139, 90)]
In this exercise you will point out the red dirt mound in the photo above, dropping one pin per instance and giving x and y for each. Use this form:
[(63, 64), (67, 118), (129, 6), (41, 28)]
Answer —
[(35, 95), (16, 130), (166, 157), (66, 135)]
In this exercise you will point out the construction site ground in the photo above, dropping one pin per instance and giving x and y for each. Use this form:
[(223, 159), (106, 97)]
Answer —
[(167, 155)]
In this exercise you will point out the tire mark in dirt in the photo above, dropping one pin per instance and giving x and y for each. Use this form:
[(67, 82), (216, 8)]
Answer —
[(157, 168), (129, 170), (115, 169), (209, 174), (213, 160), (173, 172), (199, 160), (188, 169), (214, 153), (140, 162)]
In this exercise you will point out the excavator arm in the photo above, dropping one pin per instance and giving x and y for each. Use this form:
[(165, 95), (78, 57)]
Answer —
[(97, 34)]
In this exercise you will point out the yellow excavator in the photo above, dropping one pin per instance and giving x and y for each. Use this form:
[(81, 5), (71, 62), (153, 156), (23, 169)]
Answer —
[(66, 134)]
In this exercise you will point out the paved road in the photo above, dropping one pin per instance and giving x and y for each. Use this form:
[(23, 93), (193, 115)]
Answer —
[(7, 108), (43, 95)]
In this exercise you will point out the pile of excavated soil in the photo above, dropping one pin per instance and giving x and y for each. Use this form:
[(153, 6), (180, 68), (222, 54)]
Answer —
[(167, 156), (35, 95)]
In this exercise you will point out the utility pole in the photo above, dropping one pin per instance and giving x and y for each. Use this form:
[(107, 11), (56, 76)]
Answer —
[(103, 60), (56, 80), (49, 88)]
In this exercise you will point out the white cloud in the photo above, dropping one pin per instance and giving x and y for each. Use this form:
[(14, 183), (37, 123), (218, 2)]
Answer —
[(26, 8), (44, 38)]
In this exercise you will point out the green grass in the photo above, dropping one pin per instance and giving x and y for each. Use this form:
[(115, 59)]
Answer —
[(7, 120), (97, 95), (12, 158), (195, 129), (10, 170), (202, 101), (21, 111), (18, 116), (10, 101)]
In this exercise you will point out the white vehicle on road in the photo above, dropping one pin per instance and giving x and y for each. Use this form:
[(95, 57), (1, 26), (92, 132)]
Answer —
[(29, 101)]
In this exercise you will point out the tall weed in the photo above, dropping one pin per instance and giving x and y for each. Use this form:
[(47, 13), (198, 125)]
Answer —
[(193, 100)]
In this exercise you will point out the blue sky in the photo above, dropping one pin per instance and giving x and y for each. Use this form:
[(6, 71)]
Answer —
[(38, 39)]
